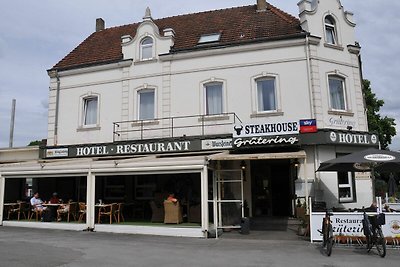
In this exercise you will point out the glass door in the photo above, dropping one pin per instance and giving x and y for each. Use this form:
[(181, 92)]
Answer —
[(229, 190)]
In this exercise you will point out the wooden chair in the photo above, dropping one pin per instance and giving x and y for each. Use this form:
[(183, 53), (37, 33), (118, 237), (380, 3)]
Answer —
[(71, 211), (194, 214), (172, 212), (157, 212), (119, 212), (107, 211), (13, 210), (82, 211), (22, 208), (35, 212)]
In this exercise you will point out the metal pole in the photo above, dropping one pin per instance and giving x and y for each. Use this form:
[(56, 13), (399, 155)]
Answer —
[(12, 123)]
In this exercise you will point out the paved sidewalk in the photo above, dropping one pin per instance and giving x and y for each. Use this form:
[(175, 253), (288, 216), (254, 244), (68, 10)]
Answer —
[(40, 247)]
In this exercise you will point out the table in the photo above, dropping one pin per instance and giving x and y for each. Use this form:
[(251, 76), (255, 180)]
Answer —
[(53, 209)]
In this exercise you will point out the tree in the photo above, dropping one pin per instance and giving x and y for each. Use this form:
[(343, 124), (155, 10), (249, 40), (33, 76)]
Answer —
[(383, 127), (35, 143)]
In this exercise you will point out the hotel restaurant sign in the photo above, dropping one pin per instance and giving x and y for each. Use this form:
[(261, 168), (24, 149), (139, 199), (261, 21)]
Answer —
[(136, 148)]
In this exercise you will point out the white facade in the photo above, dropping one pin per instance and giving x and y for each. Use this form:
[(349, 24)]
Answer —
[(300, 67)]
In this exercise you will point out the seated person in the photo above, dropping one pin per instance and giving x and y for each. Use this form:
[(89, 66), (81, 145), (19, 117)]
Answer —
[(54, 199), (64, 208), (171, 197), (36, 203)]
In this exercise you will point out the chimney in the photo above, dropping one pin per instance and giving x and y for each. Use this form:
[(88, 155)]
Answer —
[(100, 24), (261, 5)]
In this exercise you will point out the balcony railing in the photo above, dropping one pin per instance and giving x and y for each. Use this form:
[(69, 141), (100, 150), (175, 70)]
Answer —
[(170, 127)]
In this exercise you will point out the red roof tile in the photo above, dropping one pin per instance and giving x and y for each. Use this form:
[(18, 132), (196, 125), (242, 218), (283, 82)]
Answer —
[(237, 25)]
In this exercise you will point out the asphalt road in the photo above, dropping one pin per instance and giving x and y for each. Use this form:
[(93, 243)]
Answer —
[(39, 247)]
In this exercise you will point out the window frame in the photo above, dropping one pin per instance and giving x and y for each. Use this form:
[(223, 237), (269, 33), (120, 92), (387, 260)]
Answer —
[(213, 83), (331, 29), (146, 46), (344, 90), (209, 38), (350, 185), (83, 117), (257, 94), (138, 95)]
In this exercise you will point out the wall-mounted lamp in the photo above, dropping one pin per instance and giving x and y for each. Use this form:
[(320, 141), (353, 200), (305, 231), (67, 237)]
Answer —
[(296, 163), (243, 166)]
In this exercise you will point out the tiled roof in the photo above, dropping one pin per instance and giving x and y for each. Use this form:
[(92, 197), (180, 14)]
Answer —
[(237, 25)]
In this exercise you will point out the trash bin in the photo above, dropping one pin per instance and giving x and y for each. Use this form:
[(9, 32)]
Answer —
[(245, 226)]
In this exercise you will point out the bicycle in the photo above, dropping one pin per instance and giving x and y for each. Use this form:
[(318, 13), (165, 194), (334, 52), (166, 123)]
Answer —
[(373, 232), (327, 233)]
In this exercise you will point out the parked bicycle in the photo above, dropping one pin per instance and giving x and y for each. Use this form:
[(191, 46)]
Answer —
[(373, 232), (327, 233)]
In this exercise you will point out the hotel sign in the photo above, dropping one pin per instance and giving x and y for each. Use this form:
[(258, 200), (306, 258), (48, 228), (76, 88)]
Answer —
[(120, 149), (140, 147), (353, 138)]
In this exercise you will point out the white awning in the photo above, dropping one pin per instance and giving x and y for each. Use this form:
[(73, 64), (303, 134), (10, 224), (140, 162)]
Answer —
[(258, 156), (109, 166)]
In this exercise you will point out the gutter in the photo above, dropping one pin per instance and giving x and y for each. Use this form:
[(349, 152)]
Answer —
[(57, 108)]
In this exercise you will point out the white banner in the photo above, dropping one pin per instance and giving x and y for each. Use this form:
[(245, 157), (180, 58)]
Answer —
[(350, 224)]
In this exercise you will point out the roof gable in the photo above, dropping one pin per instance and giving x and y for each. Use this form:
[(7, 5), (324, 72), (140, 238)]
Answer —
[(237, 25)]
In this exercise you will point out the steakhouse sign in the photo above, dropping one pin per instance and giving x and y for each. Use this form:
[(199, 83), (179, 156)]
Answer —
[(266, 134)]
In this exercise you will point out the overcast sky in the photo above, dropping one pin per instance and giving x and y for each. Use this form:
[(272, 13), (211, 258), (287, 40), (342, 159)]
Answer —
[(35, 35)]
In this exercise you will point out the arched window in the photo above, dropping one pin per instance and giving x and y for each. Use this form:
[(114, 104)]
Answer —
[(330, 30), (146, 48)]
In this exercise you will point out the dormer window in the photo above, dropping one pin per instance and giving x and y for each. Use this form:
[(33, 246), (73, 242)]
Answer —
[(146, 48), (330, 30), (209, 38)]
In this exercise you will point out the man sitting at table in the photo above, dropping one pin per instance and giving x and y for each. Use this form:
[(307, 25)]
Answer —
[(36, 204)]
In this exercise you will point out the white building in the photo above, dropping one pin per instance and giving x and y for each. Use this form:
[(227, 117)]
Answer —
[(231, 109)]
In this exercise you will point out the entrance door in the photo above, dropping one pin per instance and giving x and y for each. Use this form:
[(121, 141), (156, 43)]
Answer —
[(230, 208), (271, 188)]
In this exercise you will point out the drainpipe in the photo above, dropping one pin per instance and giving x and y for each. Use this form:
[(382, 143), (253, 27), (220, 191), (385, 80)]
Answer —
[(307, 47), (57, 109)]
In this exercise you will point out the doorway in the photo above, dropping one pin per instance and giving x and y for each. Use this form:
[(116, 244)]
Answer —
[(272, 188)]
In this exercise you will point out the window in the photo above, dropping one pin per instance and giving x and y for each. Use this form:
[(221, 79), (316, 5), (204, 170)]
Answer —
[(146, 48), (90, 107), (213, 93), (330, 30), (209, 38), (266, 95), (146, 99), (346, 186), (337, 94)]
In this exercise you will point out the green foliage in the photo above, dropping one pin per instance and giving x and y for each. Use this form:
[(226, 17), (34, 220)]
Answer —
[(35, 143), (383, 127), (381, 188)]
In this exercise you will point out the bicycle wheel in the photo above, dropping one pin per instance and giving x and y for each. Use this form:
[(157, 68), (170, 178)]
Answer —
[(380, 242), (369, 242), (329, 241)]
